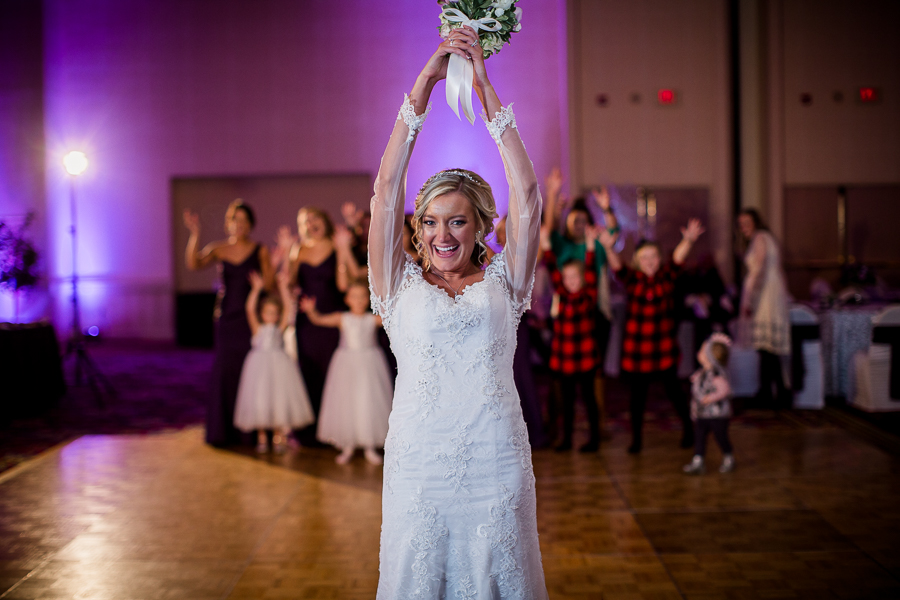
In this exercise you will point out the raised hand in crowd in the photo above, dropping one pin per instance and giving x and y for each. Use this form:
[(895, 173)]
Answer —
[(689, 236)]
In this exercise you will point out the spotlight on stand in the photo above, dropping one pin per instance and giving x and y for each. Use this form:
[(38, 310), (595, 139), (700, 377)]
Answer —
[(75, 163)]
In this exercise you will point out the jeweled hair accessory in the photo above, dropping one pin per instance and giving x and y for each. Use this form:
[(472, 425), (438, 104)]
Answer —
[(447, 172), (720, 338)]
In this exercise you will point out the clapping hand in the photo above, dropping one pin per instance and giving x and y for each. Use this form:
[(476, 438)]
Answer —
[(192, 221), (308, 304), (693, 230), (342, 238), (607, 239), (285, 238)]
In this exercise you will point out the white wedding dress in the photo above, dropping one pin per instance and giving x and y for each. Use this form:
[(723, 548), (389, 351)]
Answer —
[(459, 501)]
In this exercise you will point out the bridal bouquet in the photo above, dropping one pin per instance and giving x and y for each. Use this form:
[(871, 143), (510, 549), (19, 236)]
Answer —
[(497, 18), (494, 21)]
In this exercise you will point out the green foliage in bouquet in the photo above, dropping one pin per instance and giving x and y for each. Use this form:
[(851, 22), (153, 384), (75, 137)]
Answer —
[(491, 13)]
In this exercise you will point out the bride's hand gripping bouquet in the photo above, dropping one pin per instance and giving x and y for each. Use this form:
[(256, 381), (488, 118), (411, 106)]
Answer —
[(493, 23)]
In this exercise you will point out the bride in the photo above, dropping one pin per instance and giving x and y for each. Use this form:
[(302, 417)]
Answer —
[(459, 502)]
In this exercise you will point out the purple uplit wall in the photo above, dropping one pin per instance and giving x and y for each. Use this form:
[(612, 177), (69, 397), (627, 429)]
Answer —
[(152, 89), (22, 137)]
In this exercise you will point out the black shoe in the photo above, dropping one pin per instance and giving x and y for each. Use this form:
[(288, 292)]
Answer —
[(590, 447), (634, 448), (564, 447)]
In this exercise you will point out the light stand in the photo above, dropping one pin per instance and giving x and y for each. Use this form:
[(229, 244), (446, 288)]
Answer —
[(75, 163)]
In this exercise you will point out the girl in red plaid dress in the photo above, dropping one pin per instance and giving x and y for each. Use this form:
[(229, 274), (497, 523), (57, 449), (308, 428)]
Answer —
[(649, 348), (573, 351)]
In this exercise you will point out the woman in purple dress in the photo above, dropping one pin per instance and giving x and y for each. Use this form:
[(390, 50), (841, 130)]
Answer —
[(313, 268), (237, 256)]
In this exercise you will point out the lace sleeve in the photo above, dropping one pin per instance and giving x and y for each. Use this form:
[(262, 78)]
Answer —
[(386, 255), (524, 220)]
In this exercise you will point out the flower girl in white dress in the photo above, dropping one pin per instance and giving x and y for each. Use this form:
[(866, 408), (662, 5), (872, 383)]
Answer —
[(356, 400), (271, 394)]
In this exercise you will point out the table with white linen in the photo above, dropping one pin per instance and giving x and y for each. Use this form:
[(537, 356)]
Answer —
[(844, 332)]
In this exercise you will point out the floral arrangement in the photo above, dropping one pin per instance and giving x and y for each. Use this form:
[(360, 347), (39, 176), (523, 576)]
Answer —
[(18, 259), (494, 20)]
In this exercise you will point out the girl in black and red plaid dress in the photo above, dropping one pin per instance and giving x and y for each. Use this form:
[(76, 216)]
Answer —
[(573, 351), (649, 348)]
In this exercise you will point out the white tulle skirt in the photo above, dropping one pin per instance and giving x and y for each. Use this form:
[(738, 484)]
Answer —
[(271, 394), (356, 401)]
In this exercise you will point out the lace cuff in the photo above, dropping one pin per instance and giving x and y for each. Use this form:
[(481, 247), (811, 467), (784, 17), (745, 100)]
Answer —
[(502, 119), (408, 115)]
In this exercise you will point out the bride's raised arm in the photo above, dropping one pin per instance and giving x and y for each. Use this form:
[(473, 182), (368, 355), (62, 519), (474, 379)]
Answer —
[(523, 224), (386, 260)]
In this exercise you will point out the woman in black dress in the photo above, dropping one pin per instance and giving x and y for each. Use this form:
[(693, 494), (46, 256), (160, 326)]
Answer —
[(313, 267), (236, 256)]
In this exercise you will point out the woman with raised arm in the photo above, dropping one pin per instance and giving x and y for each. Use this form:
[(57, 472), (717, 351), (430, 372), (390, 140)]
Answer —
[(237, 256), (458, 502)]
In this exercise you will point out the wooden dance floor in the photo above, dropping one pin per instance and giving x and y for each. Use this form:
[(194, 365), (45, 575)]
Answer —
[(811, 512)]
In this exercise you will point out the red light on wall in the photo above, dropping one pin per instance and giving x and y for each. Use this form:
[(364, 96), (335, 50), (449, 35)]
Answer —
[(666, 96), (869, 94)]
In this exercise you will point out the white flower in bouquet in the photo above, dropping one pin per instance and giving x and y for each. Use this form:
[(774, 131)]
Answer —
[(501, 6), (494, 20)]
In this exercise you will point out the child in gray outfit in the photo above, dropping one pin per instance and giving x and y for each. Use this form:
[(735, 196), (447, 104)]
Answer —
[(711, 404)]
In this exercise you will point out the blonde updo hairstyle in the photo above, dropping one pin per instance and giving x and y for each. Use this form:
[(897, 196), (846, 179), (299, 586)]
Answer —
[(480, 197)]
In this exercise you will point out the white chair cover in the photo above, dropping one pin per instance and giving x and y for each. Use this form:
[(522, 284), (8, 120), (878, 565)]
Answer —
[(873, 370), (812, 394)]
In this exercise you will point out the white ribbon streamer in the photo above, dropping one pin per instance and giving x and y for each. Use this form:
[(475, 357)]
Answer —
[(460, 70)]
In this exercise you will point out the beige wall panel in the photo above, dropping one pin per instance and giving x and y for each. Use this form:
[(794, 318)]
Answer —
[(623, 49), (837, 46)]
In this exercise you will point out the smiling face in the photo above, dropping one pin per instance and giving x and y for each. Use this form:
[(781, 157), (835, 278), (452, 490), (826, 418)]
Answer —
[(270, 313), (572, 277), (448, 233), (648, 260)]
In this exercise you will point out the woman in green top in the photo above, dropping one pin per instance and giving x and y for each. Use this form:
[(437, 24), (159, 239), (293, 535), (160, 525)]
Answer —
[(568, 244)]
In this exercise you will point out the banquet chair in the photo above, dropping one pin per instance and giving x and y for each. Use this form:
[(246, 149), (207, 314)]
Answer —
[(873, 368), (807, 369)]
